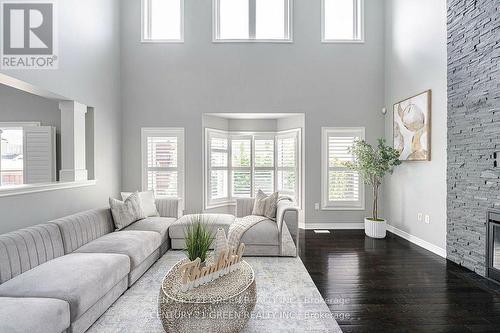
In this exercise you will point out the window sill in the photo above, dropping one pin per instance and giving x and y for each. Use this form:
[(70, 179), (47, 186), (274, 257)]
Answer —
[(278, 41), (162, 41), (341, 41), (8, 191), (343, 208)]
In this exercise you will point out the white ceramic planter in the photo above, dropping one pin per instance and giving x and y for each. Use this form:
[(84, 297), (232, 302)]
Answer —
[(375, 229)]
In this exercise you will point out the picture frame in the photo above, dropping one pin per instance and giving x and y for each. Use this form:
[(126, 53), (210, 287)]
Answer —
[(412, 127)]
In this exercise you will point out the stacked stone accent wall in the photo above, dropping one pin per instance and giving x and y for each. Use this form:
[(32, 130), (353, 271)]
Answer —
[(473, 126)]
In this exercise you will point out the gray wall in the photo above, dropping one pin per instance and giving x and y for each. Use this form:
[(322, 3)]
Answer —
[(89, 71), (473, 127), (174, 84), (415, 62), (19, 106)]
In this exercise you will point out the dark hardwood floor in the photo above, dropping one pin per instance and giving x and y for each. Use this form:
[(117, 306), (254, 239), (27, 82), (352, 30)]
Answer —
[(392, 285)]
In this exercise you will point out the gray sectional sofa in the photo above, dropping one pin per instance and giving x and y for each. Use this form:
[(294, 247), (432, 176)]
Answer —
[(63, 275)]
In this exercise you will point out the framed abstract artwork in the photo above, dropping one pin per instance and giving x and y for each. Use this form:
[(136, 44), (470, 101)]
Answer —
[(412, 127)]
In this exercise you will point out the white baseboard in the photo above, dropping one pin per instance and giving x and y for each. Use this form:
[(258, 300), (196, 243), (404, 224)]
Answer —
[(335, 226), (418, 241)]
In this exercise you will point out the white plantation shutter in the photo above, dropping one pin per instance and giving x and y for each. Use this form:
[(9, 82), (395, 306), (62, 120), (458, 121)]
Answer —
[(163, 161), (342, 188), (39, 154), (241, 166), (264, 153), (287, 164), (218, 167), (264, 165)]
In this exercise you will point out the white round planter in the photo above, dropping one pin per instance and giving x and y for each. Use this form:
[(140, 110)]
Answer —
[(375, 229)]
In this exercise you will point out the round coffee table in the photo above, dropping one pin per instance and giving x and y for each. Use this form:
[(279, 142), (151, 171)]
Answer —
[(223, 305)]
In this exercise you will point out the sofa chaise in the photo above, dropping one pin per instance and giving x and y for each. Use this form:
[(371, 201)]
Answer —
[(263, 239), (63, 275)]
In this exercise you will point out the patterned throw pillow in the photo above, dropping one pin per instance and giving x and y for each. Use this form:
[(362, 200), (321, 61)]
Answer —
[(147, 199), (126, 212), (265, 205)]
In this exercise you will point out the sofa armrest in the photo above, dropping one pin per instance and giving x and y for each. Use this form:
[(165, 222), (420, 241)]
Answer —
[(244, 206), (168, 207), (288, 213)]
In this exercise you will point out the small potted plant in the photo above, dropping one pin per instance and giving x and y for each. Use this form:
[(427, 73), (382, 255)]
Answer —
[(373, 164), (198, 237)]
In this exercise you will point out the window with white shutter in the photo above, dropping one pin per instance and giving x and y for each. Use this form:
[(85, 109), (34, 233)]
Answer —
[(239, 164), (342, 189), (163, 161)]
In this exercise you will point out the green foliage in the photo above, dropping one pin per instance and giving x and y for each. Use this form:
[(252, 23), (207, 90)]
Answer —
[(373, 164), (198, 236)]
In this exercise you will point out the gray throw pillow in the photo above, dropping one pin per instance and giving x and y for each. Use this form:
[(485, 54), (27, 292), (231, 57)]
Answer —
[(126, 212), (265, 205), (147, 199)]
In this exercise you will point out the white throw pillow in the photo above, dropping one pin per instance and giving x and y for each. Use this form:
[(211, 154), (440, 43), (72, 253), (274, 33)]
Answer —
[(265, 205), (126, 212), (147, 199)]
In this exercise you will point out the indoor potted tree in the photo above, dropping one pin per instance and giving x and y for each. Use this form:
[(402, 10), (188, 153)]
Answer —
[(373, 164)]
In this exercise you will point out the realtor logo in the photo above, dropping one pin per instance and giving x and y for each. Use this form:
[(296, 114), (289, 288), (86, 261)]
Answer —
[(29, 35)]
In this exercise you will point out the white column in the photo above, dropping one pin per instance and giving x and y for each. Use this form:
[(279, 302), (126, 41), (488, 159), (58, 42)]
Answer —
[(73, 165)]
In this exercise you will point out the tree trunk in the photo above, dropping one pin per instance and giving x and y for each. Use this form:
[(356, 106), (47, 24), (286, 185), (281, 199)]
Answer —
[(375, 201)]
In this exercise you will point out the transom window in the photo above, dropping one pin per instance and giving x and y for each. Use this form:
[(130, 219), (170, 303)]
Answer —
[(252, 20), (163, 161), (342, 21), (342, 189), (239, 164), (162, 20)]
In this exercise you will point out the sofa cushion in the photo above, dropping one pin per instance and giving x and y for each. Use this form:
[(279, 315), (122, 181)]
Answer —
[(80, 279), (263, 233), (215, 221), (81, 228), (157, 224), (137, 245), (34, 315), (25, 249)]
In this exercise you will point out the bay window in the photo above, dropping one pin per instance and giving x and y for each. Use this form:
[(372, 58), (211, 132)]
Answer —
[(239, 164)]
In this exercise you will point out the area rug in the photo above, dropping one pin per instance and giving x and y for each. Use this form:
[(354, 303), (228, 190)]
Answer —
[(288, 300)]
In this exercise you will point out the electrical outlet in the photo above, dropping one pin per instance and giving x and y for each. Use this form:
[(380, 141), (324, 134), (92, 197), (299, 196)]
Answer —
[(420, 217), (427, 219), (316, 206)]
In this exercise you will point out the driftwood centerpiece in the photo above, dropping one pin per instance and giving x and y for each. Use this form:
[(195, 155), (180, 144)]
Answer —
[(193, 274)]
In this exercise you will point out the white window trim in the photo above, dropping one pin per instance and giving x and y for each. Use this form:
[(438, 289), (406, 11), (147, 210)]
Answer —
[(325, 204), (359, 18), (230, 200), (5, 124), (164, 131), (215, 27), (146, 40)]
